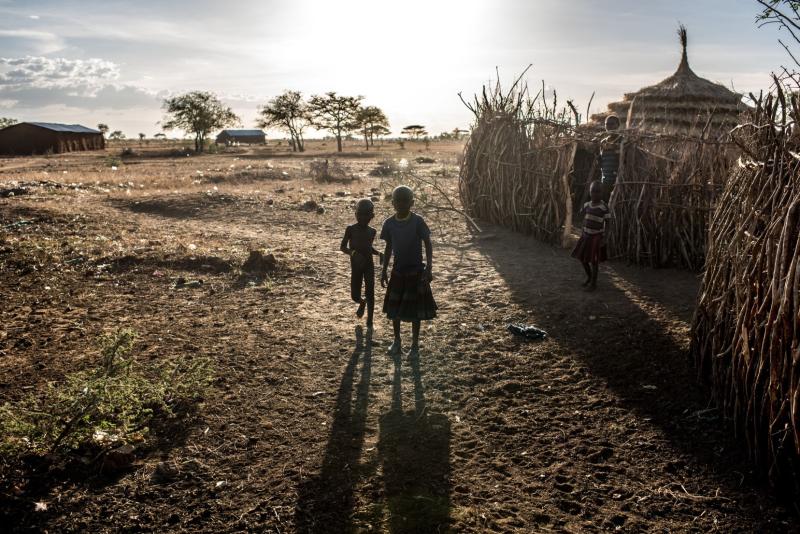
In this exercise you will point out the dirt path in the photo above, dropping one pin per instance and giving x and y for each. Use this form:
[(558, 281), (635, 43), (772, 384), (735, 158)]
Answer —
[(311, 427)]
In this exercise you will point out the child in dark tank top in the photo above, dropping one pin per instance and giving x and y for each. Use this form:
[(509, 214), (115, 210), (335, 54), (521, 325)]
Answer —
[(358, 244)]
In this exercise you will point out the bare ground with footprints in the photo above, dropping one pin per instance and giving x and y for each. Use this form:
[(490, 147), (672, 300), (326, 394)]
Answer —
[(310, 426)]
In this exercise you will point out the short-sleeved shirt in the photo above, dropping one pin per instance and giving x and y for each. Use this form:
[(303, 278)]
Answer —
[(360, 238), (595, 217), (406, 240), (609, 158)]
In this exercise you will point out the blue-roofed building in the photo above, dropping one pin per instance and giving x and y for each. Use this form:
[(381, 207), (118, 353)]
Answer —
[(241, 137), (28, 138)]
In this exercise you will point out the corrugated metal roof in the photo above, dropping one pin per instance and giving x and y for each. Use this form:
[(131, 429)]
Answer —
[(73, 128), (242, 133)]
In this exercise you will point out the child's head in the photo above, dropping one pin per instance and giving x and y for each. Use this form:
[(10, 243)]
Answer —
[(365, 211), (596, 191), (612, 123), (402, 200)]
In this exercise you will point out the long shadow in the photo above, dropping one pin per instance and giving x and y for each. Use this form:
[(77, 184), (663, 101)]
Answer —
[(326, 501), (625, 341), (414, 448)]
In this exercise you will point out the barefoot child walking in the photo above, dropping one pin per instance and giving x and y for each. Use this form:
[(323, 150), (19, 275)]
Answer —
[(357, 243), (408, 297), (591, 250)]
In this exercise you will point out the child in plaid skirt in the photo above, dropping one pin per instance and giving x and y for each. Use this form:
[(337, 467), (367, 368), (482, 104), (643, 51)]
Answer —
[(408, 297)]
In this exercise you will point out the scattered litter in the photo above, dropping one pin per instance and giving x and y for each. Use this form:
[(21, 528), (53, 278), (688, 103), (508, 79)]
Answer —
[(648, 386), (40, 506), (527, 331), (183, 283), (18, 224)]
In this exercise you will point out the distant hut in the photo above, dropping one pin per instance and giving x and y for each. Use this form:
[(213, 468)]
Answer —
[(241, 137), (27, 138), (684, 103)]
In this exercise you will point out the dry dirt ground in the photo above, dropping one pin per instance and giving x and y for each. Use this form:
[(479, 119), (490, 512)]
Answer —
[(310, 426)]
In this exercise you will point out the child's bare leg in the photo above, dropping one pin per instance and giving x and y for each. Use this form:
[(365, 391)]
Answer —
[(588, 269), (370, 312), (595, 269), (369, 293), (356, 277), (396, 346), (414, 337)]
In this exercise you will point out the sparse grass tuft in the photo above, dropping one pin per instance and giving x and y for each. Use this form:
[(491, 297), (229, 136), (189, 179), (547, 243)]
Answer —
[(111, 404)]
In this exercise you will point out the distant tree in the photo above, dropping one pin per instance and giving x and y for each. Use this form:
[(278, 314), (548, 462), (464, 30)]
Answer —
[(337, 114), (116, 135), (369, 118), (141, 137), (160, 135), (103, 128), (7, 121), (287, 112), (377, 131), (458, 133), (415, 131), (198, 113)]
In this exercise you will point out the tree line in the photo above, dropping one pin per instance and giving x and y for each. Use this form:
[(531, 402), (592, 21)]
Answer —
[(201, 112)]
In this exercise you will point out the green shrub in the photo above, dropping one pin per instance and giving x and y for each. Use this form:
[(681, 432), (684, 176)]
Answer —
[(113, 161), (112, 404)]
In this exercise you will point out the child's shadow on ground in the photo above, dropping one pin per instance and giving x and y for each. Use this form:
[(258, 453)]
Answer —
[(326, 501), (414, 449)]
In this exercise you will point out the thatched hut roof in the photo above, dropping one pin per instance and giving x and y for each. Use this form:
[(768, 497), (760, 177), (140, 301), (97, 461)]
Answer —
[(682, 103)]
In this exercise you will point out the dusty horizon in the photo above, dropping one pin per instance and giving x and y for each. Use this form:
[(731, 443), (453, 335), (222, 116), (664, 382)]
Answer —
[(113, 63)]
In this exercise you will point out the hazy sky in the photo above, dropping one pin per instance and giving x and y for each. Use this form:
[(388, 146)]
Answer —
[(109, 61)]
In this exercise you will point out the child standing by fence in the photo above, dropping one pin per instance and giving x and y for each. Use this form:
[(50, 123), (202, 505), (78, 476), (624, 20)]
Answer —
[(408, 297), (591, 249)]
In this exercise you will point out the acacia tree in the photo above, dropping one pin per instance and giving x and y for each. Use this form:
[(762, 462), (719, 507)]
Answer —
[(369, 118), (415, 131), (117, 135), (141, 137), (337, 114), (287, 112), (7, 121), (377, 131), (198, 113), (786, 15), (103, 128)]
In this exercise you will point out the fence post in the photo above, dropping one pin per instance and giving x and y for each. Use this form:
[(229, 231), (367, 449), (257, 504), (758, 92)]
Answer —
[(569, 163)]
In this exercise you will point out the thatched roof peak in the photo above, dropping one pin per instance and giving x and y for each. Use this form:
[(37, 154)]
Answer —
[(685, 84), (683, 36), (681, 101)]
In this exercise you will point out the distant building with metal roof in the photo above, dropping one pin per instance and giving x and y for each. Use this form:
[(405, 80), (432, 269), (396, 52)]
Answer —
[(247, 137), (28, 138)]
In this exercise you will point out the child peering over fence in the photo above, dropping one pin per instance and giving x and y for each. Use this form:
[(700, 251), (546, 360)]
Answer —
[(609, 155)]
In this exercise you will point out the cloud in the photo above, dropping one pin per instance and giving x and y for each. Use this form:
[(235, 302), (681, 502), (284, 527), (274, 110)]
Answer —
[(90, 84), (41, 41)]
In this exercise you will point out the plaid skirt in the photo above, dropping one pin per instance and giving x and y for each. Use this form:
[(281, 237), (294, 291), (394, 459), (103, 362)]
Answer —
[(409, 298), (590, 249)]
